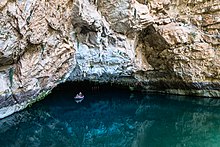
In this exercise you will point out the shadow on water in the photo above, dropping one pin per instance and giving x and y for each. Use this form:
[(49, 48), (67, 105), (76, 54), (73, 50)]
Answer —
[(112, 116)]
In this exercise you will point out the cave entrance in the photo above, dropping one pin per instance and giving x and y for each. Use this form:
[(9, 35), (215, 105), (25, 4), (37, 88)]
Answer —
[(89, 87), (92, 91)]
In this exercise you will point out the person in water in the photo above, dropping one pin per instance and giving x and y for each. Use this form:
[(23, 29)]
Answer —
[(80, 95)]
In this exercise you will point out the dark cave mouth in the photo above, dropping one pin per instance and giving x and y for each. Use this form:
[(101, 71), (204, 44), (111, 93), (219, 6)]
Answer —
[(63, 96), (69, 89), (87, 86)]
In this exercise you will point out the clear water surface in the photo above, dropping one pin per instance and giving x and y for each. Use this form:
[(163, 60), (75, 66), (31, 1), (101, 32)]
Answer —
[(114, 118)]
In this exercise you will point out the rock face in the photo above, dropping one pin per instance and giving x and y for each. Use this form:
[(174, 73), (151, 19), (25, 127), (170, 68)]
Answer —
[(162, 45)]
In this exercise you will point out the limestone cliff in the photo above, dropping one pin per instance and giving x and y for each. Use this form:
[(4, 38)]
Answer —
[(169, 46)]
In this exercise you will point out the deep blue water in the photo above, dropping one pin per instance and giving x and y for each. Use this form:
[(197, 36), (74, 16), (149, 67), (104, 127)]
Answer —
[(114, 118)]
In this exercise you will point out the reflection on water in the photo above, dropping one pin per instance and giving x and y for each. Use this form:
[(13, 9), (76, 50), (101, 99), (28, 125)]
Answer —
[(115, 118), (171, 122)]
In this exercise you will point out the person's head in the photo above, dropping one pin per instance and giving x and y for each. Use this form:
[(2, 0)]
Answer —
[(80, 92)]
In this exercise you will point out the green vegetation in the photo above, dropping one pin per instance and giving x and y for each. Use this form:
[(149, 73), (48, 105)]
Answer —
[(58, 8), (77, 40), (135, 13), (10, 75), (131, 88), (40, 96), (60, 80), (145, 2), (193, 34), (28, 20), (42, 50), (91, 65)]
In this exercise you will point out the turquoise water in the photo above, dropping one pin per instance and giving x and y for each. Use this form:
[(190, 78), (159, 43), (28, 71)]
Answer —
[(114, 118)]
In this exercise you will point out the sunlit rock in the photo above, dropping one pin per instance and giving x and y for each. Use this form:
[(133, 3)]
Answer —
[(160, 45)]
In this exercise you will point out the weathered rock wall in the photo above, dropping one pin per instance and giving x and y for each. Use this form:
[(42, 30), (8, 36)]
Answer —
[(184, 43), (162, 45)]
